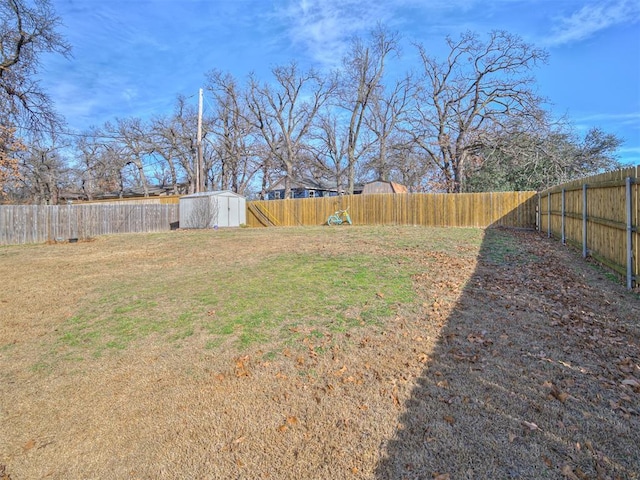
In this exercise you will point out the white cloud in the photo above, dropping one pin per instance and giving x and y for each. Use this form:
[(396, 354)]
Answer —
[(592, 18), (130, 94), (628, 119), (324, 27)]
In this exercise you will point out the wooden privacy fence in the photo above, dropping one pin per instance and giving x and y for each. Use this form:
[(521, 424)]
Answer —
[(512, 209), (41, 223), (598, 214)]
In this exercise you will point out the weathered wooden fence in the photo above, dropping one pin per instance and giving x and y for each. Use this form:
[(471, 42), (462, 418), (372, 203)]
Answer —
[(598, 214), (41, 223), (512, 209)]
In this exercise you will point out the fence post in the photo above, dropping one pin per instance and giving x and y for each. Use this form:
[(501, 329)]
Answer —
[(562, 208), (629, 209), (538, 215), (549, 214), (584, 221)]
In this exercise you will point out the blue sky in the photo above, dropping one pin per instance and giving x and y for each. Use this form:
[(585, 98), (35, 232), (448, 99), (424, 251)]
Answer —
[(131, 58)]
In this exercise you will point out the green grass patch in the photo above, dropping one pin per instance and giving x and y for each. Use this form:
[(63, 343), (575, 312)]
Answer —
[(502, 248), (223, 287), (6, 347), (287, 290), (255, 304)]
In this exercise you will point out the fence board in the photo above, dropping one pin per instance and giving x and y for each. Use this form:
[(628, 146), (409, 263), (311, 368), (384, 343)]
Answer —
[(606, 218), (21, 224), (515, 209)]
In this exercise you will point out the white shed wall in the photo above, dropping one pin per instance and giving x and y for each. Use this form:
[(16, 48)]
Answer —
[(224, 209)]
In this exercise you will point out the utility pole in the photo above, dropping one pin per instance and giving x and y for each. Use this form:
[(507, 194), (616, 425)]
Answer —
[(199, 169)]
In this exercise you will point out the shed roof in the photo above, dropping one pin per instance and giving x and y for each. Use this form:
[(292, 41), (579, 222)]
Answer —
[(224, 193)]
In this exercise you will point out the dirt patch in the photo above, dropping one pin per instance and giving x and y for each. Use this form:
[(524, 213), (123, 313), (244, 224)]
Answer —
[(517, 360)]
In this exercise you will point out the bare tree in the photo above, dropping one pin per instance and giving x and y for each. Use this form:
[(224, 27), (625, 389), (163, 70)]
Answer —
[(132, 137), (387, 111), (174, 139), (283, 113), (474, 94), (9, 164), (408, 164), (163, 139), (328, 149), (362, 73), (44, 173), (89, 149), (233, 134), (27, 30)]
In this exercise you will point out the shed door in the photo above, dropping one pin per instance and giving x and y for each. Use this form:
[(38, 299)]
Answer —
[(234, 211), (223, 210)]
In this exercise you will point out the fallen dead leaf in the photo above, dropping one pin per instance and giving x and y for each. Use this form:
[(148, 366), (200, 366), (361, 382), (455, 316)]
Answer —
[(241, 366), (3, 473), (626, 365), (581, 475), (29, 445), (394, 396), (558, 394), (531, 426), (441, 476), (567, 472), (338, 373)]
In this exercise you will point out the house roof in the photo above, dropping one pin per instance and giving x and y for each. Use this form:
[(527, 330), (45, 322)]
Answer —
[(304, 183)]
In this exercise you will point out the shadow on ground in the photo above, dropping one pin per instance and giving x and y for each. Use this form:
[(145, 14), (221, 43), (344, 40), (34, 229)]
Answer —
[(535, 374)]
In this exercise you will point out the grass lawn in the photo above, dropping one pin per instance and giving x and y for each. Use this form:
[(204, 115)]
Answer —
[(342, 352)]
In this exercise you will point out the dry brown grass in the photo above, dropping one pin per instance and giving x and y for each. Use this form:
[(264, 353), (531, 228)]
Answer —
[(515, 361)]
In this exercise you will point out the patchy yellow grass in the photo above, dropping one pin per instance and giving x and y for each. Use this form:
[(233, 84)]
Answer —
[(510, 360)]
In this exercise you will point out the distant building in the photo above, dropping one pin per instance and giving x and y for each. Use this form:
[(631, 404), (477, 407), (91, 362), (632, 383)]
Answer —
[(382, 186), (305, 188), (153, 191)]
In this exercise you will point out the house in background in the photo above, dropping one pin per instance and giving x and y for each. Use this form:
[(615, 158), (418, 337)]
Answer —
[(153, 191), (309, 188), (305, 188), (382, 186)]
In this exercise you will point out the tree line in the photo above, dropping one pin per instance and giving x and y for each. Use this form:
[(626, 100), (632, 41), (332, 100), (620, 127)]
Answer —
[(469, 121)]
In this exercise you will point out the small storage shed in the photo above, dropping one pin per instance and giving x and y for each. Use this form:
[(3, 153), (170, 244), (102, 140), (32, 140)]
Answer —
[(222, 208), (382, 186)]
